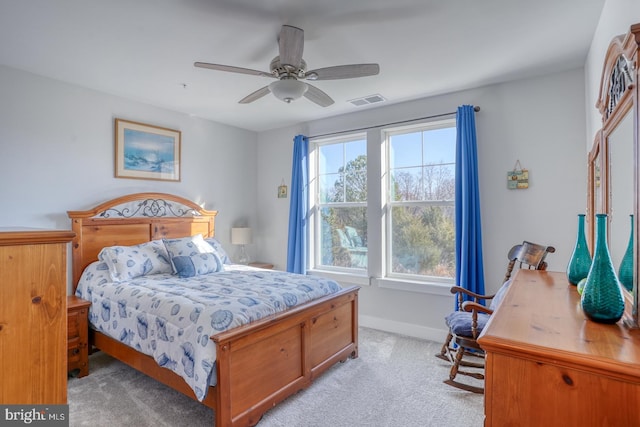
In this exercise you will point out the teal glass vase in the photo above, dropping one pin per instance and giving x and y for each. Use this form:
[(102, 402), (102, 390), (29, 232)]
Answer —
[(580, 261), (602, 299), (625, 271)]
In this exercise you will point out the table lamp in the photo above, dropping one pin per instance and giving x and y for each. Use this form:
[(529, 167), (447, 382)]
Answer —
[(241, 236)]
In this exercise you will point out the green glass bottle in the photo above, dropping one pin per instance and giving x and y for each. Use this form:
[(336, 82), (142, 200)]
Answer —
[(602, 299), (580, 261), (625, 271)]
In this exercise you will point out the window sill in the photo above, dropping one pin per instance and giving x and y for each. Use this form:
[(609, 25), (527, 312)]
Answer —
[(434, 288), (351, 278)]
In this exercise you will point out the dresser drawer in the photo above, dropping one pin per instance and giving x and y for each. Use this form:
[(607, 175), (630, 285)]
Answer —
[(74, 354), (78, 335), (74, 320)]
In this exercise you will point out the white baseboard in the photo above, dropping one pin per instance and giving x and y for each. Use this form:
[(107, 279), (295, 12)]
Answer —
[(409, 329)]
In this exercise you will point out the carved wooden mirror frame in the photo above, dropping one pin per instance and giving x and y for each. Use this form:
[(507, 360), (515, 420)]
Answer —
[(619, 95), (594, 193)]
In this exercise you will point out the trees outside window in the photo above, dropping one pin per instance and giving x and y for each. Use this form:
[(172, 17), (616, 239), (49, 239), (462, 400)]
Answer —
[(421, 200), (342, 190), (417, 191)]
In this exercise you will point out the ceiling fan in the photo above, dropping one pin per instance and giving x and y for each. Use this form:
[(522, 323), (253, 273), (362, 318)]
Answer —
[(290, 69)]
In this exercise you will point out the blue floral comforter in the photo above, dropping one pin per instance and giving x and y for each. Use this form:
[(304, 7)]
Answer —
[(172, 319)]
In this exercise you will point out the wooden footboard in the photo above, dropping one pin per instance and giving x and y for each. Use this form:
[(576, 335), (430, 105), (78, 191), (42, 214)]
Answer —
[(263, 363)]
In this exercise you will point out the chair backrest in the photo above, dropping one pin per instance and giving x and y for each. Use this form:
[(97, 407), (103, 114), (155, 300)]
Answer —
[(527, 255)]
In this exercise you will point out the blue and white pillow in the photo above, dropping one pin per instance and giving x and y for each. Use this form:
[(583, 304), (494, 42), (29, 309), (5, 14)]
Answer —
[(129, 262), (195, 265), (186, 247), (219, 249)]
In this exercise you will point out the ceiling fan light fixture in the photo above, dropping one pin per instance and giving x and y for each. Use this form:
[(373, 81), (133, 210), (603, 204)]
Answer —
[(288, 90)]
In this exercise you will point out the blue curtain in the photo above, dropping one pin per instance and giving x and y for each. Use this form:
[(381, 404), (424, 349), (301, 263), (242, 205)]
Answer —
[(469, 265), (297, 242)]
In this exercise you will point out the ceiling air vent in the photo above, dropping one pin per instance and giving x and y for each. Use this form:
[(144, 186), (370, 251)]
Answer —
[(366, 100)]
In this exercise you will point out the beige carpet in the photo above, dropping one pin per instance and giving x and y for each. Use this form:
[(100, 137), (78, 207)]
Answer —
[(396, 382)]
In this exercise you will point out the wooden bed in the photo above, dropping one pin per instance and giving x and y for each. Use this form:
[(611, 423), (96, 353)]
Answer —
[(258, 365)]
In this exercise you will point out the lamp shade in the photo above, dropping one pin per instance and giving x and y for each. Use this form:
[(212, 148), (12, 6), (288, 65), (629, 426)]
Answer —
[(241, 236), (288, 90)]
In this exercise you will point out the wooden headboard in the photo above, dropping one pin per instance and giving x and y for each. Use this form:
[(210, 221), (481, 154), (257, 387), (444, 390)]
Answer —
[(131, 220)]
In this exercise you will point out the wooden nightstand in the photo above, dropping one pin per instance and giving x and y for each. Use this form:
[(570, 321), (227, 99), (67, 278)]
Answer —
[(78, 335), (264, 265)]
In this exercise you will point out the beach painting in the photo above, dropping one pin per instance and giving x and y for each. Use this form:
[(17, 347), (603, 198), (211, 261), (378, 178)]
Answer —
[(147, 152)]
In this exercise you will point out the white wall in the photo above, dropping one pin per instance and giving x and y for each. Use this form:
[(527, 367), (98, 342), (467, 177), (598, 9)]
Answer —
[(57, 154), (274, 166), (539, 121), (616, 18)]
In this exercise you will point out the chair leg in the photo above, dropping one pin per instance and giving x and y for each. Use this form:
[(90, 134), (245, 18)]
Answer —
[(446, 354), (455, 370), (456, 363), (445, 351)]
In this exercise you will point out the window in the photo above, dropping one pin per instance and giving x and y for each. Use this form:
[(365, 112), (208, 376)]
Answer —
[(383, 206), (341, 236), (420, 190)]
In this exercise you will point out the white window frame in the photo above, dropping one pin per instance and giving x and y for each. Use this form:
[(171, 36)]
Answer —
[(401, 279), (377, 209), (345, 274)]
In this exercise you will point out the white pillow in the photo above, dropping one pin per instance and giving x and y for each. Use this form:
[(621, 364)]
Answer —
[(219, 249), (186, 247), (129, 262)]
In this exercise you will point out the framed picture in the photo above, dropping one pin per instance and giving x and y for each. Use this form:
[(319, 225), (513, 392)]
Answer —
[(146, 151), (282, 191)]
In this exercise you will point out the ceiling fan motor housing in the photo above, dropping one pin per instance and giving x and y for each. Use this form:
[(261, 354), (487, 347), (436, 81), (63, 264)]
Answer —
[(279, 70)]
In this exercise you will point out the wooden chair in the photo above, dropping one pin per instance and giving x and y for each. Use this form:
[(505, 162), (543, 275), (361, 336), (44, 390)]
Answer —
[(467, 322)]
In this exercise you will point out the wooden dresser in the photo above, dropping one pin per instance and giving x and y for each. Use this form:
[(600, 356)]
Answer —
[(547, 365), (33, 316)]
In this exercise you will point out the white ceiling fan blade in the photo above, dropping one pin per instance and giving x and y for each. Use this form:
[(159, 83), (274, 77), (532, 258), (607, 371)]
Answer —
[(343, 72), (232, 69), (291, 43), (314, 94), (255, 95)]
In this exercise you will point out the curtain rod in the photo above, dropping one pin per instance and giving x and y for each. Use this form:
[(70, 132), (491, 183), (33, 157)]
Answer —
[(475, 108)]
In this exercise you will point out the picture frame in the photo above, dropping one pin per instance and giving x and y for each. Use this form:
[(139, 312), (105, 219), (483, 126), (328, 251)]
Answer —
[(518, 178), (144, 151), (282, 191)]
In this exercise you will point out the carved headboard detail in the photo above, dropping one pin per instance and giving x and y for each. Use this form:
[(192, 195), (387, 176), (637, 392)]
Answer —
[(131, 220)]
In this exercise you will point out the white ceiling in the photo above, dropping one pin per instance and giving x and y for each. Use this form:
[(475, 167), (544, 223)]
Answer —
[(145, 49)]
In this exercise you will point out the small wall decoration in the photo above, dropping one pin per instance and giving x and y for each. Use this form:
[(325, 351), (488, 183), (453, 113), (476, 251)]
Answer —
[(282, 190), (518, 178), (146, 151)]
